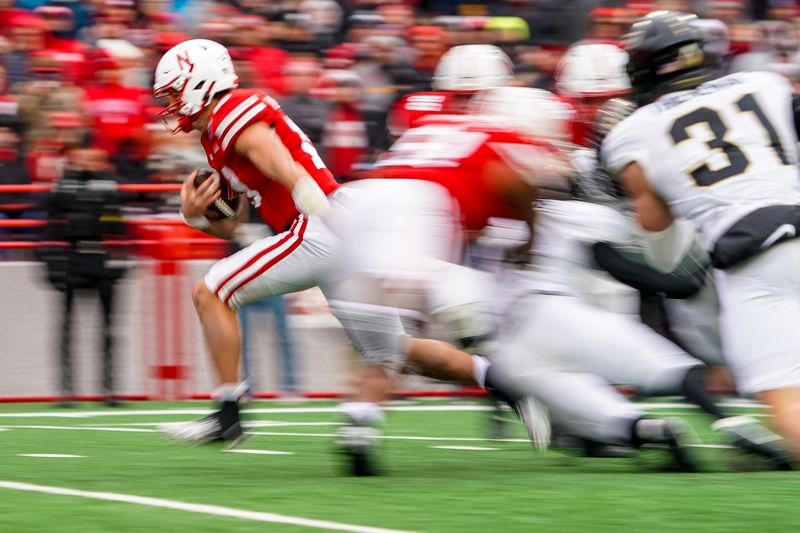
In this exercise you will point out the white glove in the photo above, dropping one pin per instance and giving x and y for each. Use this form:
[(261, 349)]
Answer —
[(309, 198)]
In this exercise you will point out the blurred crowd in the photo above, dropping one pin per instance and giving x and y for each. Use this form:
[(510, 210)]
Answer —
[(75, 76)]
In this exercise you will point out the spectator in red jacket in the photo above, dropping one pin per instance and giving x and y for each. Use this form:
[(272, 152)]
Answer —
[(8, 12), (252, 36), (71, 52), (117, 111), (26, 34), (344, 138)]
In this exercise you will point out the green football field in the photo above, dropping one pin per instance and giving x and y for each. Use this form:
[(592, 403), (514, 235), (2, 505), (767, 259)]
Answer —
[(113, 473)]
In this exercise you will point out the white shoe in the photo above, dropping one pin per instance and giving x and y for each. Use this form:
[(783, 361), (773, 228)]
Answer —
[(537, 421), (201, 431), (747, 433)]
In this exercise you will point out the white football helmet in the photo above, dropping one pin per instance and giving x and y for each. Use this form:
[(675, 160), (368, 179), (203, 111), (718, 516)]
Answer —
[(593, 69), (472, 67), (193, 72), (535, 112)]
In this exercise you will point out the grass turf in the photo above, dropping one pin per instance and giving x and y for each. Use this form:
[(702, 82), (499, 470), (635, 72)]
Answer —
[(426, 489)]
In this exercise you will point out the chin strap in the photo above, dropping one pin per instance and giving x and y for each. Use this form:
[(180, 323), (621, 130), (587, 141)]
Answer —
[(184, 124)]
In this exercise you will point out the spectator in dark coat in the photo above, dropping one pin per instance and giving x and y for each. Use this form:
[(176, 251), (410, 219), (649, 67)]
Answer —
[(307, 111)]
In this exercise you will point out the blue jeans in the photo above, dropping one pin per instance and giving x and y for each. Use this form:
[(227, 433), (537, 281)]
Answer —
[(278, 308)]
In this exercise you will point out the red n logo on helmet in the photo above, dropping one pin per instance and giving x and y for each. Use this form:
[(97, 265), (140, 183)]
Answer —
[(183, 61)]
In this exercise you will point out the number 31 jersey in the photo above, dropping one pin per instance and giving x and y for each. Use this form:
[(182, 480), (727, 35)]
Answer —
[(715, 153)]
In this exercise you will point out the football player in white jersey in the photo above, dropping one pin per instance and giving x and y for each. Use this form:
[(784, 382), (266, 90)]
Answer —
[(580, 348), (566, 352), (687, 293), (721, 153)]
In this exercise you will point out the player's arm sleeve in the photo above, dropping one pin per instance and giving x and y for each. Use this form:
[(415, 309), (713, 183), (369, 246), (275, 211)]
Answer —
[(643, 277), (621, 147), (665, 249)]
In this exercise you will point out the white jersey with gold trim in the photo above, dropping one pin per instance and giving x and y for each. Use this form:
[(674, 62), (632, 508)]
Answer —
[(715, 153)]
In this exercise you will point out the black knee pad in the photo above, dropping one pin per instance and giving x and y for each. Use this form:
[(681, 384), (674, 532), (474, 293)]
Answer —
[(695, 379)]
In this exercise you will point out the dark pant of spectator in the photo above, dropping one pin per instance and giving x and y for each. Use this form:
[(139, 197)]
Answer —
[(277, 306), (105, 291)]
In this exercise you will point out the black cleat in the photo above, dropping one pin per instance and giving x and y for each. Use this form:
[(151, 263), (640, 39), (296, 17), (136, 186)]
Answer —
[(671, 435), (223, 425), (675, 432), (600, 450), (747, 434), (359, 443), (589, 448)]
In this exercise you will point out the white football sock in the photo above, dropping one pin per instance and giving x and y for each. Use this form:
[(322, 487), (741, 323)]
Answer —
[(363, 412), (229, 392)]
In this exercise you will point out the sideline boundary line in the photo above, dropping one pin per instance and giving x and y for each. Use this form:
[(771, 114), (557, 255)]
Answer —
[(216, 510), (318, 410), (320, 435), (266, 433)]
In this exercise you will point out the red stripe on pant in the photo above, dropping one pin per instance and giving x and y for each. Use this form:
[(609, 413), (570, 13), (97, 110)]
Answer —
[(274, 261), (258, 256)]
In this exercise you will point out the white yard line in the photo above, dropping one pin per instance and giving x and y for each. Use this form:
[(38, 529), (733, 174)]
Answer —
[(467, 448), (85, 428), (332, 409), (385, 437), (51, 455), (699, 412), (215, 510), (259, 452), (322, 435), (263, 410), (251, 424), (268, 433)]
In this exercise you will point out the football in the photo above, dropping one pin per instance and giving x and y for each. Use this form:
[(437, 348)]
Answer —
[(228, 203)]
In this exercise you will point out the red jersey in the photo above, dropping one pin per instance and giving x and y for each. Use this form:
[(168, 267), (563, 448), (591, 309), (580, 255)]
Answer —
[(118, 114), (72, 55), (344, 140), (407, 111), (461, 153), (268, 64), (583, 112), (46, 162), (229, 118)]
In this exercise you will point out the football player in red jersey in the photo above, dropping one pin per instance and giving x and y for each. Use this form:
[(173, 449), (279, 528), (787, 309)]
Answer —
[(590, 74), (461, 72), (264, 156), (437, 188)]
